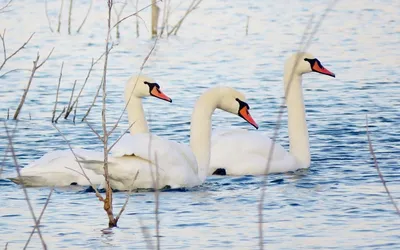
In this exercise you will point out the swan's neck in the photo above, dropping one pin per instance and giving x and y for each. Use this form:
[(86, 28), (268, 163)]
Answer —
[(200, 131), (297, 124), (136, 116)]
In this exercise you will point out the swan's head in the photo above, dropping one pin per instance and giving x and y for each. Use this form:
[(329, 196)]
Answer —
[(306, 63), (143, 86), (234, 102)]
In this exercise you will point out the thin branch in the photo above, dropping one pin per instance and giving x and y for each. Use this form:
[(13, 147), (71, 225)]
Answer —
[(58, 89), (130, 96), (127, 198), (47, 16), (17, 167), (58, 117), (98, 195), (40, 217), (192, 7), (133, 14), (6, 58), (60, 16), (70, 107), (371, 150), (94, 131), (34, 68), (69, 16), (3, 8), (118, 35), (119, 138), (84, 20), (13, 70), (94, 100), (264, 179)]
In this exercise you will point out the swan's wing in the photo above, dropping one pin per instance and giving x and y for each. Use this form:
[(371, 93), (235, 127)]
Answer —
[(242, 152), (147, 146), (57, 168), (145, 154)]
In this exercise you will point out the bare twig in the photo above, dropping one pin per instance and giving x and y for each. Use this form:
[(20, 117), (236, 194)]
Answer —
[(247, 25), (277, 126), (94, 131), (84, 20), (130, 96), (194, 4), (17, 167), (371, 150), (119, 138), (7, 149), (5, 7), (70, 107), (69, 16), (94, 100), (157, 203), (155, 10), (109, 193), (58, 89), (6, 58), (127, 198), (8, 113), (137, 19), (98, 195), (58, 117), (40, 217), (133, 14), (60, 16), (146, 234), (13, 70), (118, 13), (47, 15), (35, 67)]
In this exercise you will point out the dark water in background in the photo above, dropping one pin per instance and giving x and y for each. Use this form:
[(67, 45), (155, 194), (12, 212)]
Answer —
[(339, 203)]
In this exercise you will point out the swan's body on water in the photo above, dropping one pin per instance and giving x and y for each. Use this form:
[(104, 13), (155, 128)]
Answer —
[(60, 168), (158, 162), (242, 152)]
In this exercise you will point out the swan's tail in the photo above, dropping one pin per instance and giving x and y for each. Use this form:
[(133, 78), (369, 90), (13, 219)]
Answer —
[(29, 181)]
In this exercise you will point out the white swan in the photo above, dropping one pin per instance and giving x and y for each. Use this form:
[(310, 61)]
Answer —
[(241, 152), (54, 168), (177, 165)]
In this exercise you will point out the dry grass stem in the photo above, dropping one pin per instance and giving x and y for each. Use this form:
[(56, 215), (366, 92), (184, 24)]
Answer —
[(60, 16), (69, 16), (3, 40), (35, 67), (279, 118), (47, 16), (155, 12), (58, 117), (17, 167), (130, 96), (40, 217), (87, 15), (247, 25), (70, 107), (58, 89), (371, 150)]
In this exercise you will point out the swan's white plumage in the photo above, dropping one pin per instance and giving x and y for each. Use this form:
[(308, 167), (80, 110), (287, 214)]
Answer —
[(143, 154), (59, 168), (242, 152)]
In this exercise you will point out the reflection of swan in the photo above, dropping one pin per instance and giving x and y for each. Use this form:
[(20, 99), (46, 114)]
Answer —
[(178, 165), (52, 168), (241, 152)]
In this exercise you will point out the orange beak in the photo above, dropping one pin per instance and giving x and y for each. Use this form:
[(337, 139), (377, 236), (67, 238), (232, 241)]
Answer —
[(322, 70), (157, 93), (244, 113)]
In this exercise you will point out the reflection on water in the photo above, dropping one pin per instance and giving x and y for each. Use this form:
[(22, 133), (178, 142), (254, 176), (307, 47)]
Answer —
[(338, 203)]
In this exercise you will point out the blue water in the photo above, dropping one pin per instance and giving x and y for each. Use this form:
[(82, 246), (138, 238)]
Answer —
[(339, 203)]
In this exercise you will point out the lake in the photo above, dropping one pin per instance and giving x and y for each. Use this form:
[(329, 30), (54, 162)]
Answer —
[(339, 203)]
